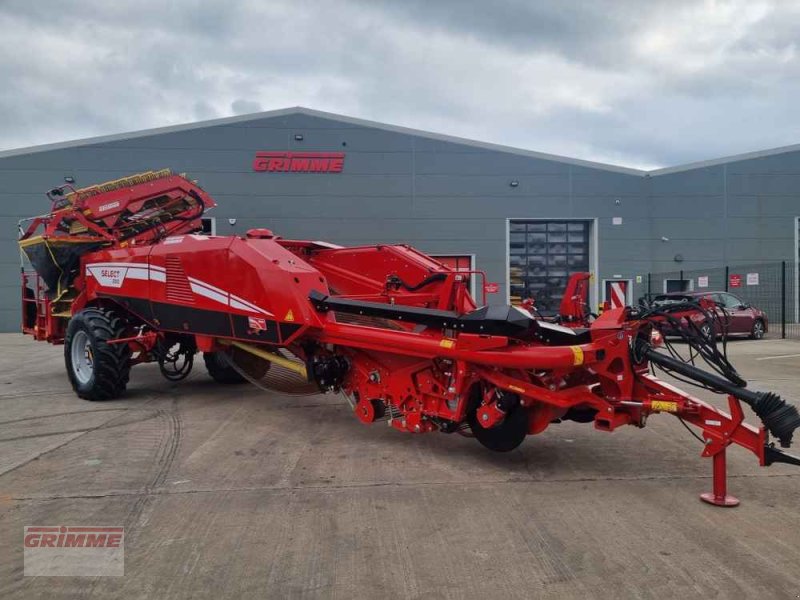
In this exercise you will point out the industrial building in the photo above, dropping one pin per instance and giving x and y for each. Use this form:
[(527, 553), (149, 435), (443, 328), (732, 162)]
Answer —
[(525, 218)]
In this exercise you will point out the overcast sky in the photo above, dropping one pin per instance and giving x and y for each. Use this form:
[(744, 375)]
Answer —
[(640, 84)]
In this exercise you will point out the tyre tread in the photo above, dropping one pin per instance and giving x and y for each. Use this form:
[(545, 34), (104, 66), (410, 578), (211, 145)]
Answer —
[(219, 372), (111, 361)]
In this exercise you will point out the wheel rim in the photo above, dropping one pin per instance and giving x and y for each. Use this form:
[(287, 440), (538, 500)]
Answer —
[(706, 330), (758, 329), (82, 357)]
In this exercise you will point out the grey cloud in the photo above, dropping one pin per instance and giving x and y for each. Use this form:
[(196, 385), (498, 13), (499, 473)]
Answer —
[(640, 84), (243, 107), (591, 31)]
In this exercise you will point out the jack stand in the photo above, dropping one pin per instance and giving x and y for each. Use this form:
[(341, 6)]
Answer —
[(716, 445), (720, 497)]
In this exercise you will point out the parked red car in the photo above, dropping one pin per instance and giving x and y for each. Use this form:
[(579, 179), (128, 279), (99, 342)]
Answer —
[(742, 318)]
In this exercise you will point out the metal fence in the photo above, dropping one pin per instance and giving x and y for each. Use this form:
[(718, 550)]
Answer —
[(772, 287)]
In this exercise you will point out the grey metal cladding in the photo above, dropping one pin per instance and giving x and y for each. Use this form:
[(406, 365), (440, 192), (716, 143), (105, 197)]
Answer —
[(450, 160), (705, 181), (596, 182), (765, 207), (609, 206), (475, 184), (440, 193), (316, 209), (488, 207), (696, 207), (258, 138), (768, 184)]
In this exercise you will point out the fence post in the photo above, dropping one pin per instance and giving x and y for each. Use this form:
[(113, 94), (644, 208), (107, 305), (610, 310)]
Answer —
[(649, 291), (727, 276), (783, 300)]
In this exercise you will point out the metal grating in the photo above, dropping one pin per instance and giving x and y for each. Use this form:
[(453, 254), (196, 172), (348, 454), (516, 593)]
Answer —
[(178, 287)]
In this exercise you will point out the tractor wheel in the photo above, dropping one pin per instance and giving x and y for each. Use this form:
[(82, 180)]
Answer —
[(220, 368), (504, 437), (97, 370)]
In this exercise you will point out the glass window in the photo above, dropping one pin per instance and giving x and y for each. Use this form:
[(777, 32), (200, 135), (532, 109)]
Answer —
[(730, 301), (543, 255), (537, 237)]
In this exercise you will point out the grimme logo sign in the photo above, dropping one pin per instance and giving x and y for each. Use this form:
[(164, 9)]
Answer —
[(299, 162), (61, 550)]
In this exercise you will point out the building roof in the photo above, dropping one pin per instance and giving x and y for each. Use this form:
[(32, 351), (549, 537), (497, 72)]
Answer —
[(701, 164), (396, 129)]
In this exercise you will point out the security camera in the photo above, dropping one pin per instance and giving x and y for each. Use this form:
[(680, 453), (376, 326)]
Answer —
[(231, 221)]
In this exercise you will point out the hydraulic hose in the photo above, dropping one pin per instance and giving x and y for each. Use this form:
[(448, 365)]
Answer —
[(779, 417)]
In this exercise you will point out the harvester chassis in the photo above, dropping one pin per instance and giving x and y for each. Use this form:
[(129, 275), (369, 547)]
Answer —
[(123, 276)]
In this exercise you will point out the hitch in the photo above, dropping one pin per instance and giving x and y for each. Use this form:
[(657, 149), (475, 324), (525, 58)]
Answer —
[(779, 417), (720, 430), (770, 454)]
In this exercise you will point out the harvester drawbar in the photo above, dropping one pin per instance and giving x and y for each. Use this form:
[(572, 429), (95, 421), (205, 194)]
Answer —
[(123, 275)]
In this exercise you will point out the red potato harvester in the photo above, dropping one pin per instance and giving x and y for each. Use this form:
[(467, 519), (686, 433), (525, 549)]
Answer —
[(123, 276)]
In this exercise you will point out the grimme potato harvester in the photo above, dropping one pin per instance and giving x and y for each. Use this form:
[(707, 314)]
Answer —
[(123, 275)]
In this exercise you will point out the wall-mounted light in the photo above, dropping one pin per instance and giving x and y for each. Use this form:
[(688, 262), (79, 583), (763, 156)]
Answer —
[(69, 179), (664, 238), (231, 222), (514, 183), (298, 137)]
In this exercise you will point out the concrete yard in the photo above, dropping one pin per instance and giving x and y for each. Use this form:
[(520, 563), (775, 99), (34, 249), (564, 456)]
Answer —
[(233, 492)]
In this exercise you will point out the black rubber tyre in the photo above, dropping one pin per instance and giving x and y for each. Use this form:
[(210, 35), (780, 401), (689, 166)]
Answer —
[(97, 370), (221, 369), (758, 330), (504, 437)]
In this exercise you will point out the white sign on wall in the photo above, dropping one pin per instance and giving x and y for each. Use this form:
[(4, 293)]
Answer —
[(752, 279), (702, 281)]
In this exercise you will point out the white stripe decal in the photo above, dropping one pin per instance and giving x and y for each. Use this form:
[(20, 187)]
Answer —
[(138, 273), (245, 303), (207, 292), (113, 274), (207, 285), (240, 305)]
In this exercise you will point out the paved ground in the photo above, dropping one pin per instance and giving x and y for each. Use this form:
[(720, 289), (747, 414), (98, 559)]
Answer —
[(229, 492)]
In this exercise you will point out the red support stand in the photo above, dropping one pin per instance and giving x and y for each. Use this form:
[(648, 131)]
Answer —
[(720, 497)]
